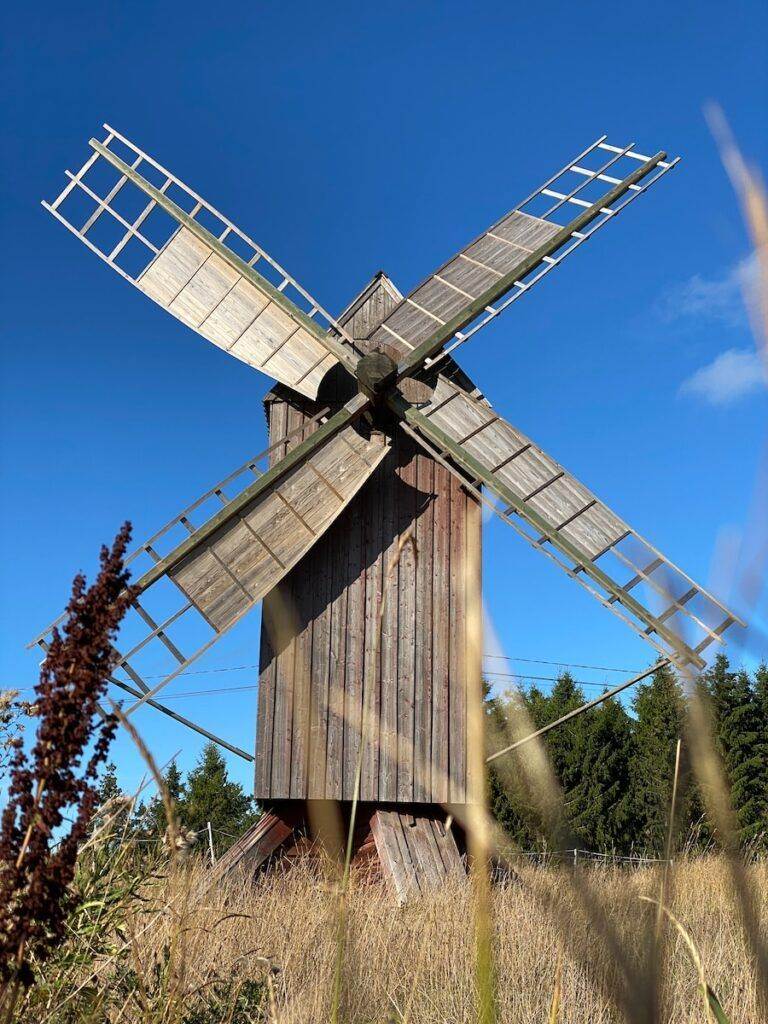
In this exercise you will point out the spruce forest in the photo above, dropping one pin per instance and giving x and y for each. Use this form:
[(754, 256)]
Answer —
[(616, 764)]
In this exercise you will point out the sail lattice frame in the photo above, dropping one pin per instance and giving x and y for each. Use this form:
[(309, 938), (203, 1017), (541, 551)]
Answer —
[(559, 516), (533, 238), (166, 240), (184, 596)]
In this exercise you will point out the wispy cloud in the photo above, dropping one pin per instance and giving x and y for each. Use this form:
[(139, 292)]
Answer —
[(732, 375), (724, 299)]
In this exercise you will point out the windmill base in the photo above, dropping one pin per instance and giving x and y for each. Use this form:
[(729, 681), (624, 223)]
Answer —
[(408, 845)]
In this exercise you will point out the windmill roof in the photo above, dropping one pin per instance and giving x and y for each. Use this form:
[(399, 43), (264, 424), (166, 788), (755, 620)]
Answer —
[(380, 280)]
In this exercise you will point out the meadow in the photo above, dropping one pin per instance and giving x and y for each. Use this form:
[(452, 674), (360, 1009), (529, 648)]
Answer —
[(170, 949)]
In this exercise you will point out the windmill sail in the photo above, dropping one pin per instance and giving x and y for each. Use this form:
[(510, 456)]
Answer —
[(559, 516), (195, 263), (463, 295), (205, 584)]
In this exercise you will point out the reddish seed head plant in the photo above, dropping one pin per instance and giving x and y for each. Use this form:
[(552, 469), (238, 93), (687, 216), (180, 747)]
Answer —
[(57, 777)]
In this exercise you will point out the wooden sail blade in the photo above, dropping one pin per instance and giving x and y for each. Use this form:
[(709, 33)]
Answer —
[(196, 592), (468, 291), (560, 517), (196, 264)]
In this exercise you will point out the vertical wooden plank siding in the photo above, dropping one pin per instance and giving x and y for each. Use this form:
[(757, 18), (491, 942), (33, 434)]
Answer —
[(372, 559), (354, 656), (302, 689), (278, 427), (328, 652), (388, 641), (473, 625), (338, 614), (319, 586), (424, 630), (441, 584), (406, 624), (457, 711)]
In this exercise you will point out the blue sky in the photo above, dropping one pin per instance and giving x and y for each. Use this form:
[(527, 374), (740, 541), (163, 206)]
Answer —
[(347, 138)]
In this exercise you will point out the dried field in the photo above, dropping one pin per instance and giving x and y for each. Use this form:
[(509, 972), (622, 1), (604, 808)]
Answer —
[(416, 963)]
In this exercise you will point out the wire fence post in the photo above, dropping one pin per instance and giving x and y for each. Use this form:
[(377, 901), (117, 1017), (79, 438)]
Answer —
[(210, 843), (575, 857)]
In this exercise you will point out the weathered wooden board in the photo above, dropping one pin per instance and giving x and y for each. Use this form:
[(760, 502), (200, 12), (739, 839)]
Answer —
[(252, 848), (374, 303), (461, 280), (246, 557), (532, 474), (416, 851), (198, 287), (384, 633)]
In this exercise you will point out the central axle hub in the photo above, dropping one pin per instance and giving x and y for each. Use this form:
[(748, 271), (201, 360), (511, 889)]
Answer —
[(376, 373)]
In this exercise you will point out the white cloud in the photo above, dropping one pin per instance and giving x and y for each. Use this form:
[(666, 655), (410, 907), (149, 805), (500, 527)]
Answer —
[(723, 299), (732, 375)]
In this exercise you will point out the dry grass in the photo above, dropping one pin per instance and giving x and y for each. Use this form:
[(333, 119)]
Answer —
[(417, 963)]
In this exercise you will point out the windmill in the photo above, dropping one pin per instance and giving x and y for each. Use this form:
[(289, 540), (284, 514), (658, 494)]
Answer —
[(359, 527)]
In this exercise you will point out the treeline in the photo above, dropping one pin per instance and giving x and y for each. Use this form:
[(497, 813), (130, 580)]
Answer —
[(206, 794), (616, 768)]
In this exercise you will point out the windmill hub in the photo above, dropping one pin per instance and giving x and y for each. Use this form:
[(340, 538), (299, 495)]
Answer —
[(376, 373)]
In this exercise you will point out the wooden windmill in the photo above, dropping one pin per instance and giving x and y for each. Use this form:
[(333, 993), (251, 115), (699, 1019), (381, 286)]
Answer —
[(376, 438)]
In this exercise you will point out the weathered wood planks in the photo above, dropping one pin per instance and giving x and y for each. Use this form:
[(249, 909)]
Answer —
[(235, 567), (462, 280), (384, 632), (194, 284), (416, 851), (532, 474), (255, 846)]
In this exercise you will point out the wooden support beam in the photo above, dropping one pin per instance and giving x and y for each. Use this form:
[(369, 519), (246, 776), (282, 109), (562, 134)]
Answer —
[(184, 721), (580, 710)]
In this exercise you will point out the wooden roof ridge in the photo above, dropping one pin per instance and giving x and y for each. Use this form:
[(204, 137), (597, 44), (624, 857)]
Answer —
[(380, 280)]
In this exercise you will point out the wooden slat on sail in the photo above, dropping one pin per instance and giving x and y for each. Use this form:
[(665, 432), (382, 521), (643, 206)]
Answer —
[(199, 589), (198, 265), (246, 557), (564, 518), (500, 265), (465, 277), (198, 287)]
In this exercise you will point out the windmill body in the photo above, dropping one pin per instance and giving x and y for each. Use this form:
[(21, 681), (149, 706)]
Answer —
[(359, 527), (332, 648)]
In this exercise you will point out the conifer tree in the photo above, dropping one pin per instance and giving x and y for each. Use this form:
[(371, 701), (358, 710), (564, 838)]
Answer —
[(600, 805), (564, 743), (617, 772), (743, 745), (108, 788), (210, 795), (150, 820), (537, 706), (108, 792), (659, 711), (761, 693), (508, 798)]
